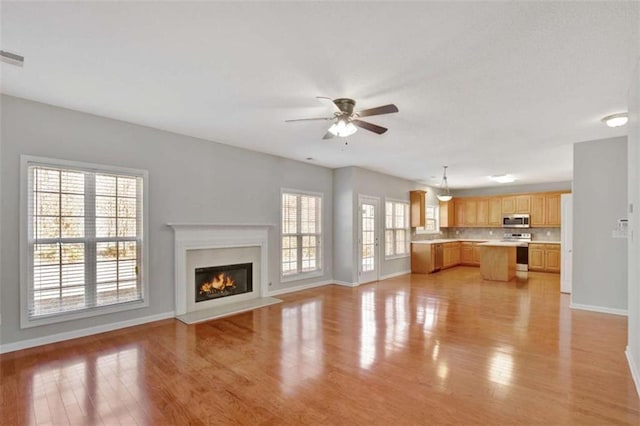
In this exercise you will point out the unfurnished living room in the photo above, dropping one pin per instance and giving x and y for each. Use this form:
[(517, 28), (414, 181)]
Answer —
[(319, 212)]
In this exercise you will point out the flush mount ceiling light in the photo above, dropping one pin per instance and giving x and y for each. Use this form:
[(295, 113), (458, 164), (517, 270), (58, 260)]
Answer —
[(446, 196), (616, 120), (502, 178)]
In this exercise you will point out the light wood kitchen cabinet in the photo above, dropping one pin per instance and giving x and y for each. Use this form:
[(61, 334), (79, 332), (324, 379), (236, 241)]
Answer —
[(552, 257), (476, 254), (459, 212), (509, 205), (538, 213), (536, 257), (447, 214), (422, 258), (495, 211), (544, 257), (523, 204), (482, 212), (470, 253), (552, 209), (450, 254), (545, 210), (466, 253), (417, 199), (470, 212)]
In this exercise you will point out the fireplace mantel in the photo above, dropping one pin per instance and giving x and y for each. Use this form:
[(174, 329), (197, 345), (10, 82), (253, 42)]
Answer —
[(199, 236)]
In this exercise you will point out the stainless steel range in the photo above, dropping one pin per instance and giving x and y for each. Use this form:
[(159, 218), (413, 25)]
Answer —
[(522, 249)]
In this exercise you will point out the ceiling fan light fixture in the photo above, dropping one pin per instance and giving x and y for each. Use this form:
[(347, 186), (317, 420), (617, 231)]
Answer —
[(446, 195), (616, 120), (343, 129)]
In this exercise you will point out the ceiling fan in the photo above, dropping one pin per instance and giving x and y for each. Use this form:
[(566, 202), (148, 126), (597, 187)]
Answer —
[(346, 121)]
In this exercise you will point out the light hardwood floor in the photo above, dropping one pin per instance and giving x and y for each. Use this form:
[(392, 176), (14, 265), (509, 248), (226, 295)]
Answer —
[(416, 349)]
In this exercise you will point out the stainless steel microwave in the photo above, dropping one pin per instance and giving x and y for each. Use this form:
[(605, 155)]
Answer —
[(515, 221)]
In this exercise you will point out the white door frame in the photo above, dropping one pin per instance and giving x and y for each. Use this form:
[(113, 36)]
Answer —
[(566, 248), (374, 275)]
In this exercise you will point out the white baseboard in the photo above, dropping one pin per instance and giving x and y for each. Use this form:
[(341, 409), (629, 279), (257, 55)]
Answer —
[(600, 309), (635, 373), (345, 283), (298, 288), (26, 344), (396, 274)]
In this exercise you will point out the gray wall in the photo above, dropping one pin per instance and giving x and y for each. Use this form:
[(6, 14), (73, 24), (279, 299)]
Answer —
[(599, 200), (349, 184), (344, 226), (633, 347), (513, 189), (190, 180)]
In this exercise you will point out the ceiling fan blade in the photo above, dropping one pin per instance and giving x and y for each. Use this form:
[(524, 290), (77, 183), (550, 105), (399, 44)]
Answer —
[(385, 109), (370, 126), (309, 119), (328, 135), (329, 100)]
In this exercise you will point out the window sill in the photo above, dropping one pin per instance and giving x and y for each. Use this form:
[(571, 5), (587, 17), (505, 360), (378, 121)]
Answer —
[(81, 314), (301, 276)]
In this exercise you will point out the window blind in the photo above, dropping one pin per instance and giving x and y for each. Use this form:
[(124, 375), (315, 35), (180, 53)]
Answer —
[(85, 238), (301, 233)]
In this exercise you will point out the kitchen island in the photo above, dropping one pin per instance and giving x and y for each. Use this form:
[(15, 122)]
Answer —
[(498, 260)]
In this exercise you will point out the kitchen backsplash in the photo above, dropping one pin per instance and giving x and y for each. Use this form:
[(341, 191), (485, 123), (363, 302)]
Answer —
[(540, 234)]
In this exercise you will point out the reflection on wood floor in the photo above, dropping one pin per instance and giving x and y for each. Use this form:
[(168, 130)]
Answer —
[(416, 349)]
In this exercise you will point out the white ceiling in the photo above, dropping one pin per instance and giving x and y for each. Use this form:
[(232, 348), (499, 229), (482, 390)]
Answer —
[(486, 88)]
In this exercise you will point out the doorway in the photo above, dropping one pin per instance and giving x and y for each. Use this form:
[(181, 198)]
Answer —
[(368, 245)]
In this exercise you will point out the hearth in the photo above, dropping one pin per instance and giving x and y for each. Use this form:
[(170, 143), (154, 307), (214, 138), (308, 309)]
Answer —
[(215, 282)]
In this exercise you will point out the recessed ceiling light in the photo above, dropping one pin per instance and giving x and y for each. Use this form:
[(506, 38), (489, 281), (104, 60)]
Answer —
[(616, 120), (502, 178)]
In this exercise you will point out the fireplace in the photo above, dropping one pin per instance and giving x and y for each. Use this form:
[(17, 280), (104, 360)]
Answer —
[(215, 282)]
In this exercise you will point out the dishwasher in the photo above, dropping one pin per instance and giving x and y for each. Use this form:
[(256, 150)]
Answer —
[(437, 265)]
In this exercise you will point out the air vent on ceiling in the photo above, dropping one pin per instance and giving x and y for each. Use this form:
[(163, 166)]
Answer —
[(11, 58)]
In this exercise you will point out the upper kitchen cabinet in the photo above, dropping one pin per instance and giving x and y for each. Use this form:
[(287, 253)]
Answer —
[(417, 199), (552, 209), (537, 214), (545, 210), (459, 212), (470, 212), (516, 204), (495, 211), (482, 212), (447, 214)]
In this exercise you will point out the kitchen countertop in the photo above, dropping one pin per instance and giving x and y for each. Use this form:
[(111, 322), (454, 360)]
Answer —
[(476, 240), (504, 244)]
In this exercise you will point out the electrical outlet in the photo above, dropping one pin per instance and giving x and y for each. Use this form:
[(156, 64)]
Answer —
[(548, 233), (457, 232), (490, 232)]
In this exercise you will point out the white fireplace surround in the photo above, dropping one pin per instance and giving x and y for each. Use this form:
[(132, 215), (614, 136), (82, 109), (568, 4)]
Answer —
[(202, 236)]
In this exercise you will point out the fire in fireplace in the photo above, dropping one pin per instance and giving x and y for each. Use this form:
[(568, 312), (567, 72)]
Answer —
[(221, 281)]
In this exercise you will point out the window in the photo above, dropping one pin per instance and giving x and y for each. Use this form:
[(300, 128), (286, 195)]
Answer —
[(301, 234), (84, 240), (431, 220), (396, 234)]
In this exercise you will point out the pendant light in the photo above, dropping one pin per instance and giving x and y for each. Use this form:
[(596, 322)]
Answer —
[(446, 196)]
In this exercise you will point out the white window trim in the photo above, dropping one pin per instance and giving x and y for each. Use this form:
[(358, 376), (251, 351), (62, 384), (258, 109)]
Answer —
[(302, 275), (25, 276), (423, 230), (408, 229)]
